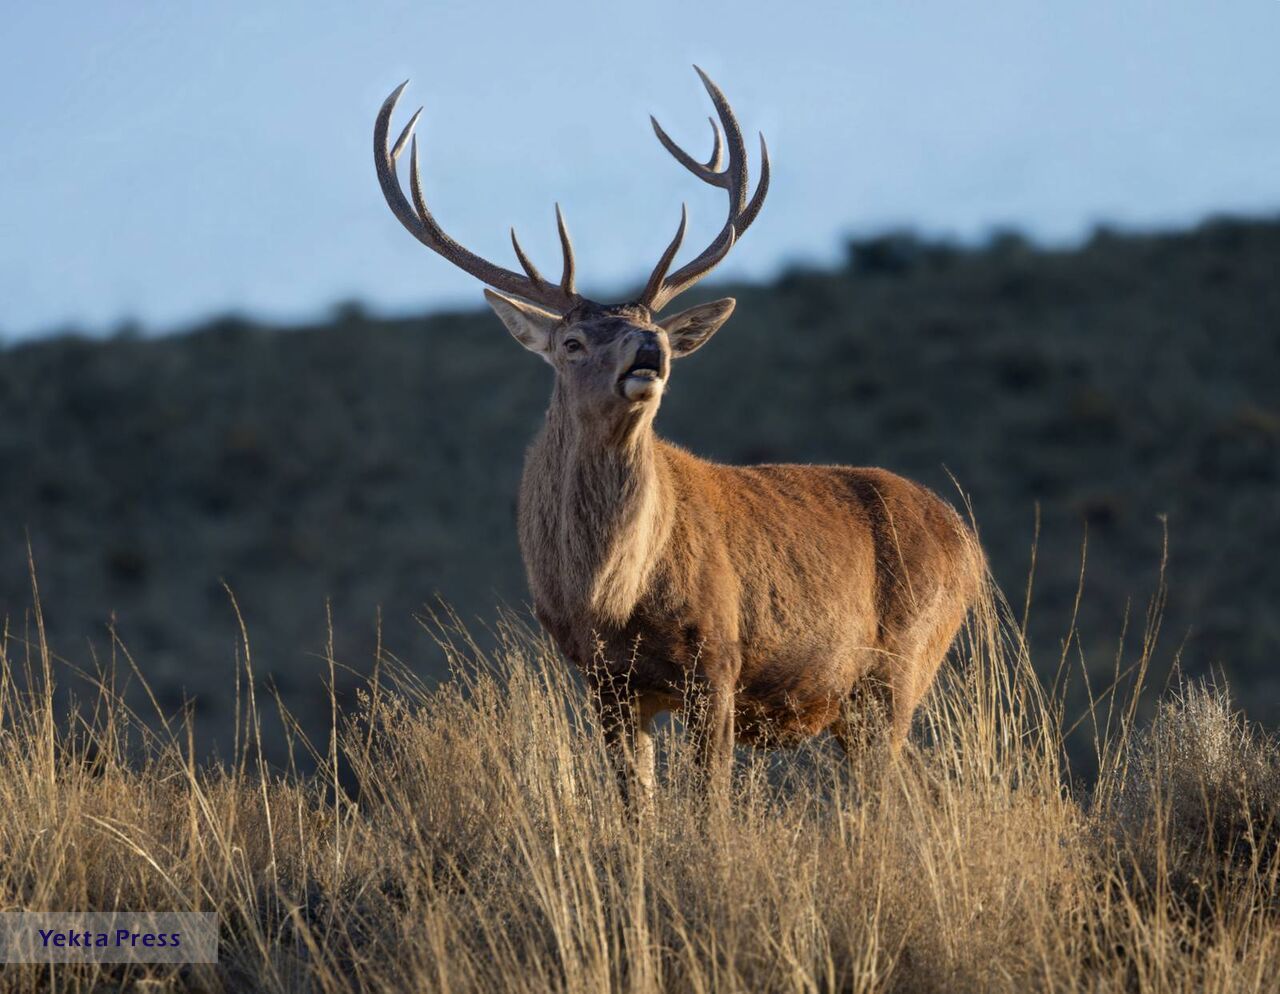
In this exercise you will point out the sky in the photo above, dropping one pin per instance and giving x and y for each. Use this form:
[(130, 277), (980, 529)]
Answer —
[(163, 162)]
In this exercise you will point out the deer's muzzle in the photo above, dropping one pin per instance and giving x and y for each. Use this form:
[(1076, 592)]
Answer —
[(644, 375)]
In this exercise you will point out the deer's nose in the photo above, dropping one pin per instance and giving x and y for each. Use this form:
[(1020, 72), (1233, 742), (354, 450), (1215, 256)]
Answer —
[(648, 352)]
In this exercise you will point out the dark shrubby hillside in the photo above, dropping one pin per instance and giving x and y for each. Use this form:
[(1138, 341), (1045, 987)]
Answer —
[(374, 462)]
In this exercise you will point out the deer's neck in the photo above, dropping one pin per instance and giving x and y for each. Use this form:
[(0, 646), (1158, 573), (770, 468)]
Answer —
[(595, 515)]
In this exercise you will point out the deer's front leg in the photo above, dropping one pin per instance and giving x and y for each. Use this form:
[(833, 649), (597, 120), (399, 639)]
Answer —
[(626, 719)]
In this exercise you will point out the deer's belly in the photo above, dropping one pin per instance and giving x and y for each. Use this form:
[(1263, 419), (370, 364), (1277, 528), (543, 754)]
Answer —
[(784, 699), (786, 685), (793, 696)]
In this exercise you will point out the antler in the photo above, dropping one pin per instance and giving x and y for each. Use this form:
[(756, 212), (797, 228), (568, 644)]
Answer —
[(418, 221), (661, 288)]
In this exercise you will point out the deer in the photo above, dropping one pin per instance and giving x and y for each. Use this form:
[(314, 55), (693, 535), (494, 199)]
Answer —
[(765, 603)]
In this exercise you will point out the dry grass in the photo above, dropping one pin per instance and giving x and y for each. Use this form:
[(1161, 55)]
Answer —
[(471, 839)]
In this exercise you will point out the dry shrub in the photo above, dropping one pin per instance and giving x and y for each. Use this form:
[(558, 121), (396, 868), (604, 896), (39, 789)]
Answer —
[(1197, 807)]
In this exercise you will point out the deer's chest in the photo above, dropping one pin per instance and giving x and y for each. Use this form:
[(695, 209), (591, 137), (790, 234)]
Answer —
[(664, 647)]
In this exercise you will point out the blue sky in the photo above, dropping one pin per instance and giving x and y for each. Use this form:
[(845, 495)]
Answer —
[(165, 161)]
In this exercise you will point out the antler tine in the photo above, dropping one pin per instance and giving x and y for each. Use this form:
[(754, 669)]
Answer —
[(525, 264), (406, 134), (735, 173), (566, 250), (418, 221), (717, 148), (708, 172), (652, 288), (734, 179), (762, 189)]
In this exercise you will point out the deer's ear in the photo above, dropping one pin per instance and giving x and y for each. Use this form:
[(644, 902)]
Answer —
[(689, 330), (530, 326)]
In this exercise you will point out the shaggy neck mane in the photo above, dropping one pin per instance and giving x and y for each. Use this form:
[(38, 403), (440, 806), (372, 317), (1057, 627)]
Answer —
[(599, 496)]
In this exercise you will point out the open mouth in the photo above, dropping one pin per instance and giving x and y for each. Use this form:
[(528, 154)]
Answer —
[(643, 370), (642, 381)]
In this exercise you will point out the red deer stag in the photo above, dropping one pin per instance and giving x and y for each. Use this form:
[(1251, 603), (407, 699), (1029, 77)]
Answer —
[(775, 596)]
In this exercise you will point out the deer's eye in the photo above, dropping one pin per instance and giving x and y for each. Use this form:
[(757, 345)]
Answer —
[(572, 345)]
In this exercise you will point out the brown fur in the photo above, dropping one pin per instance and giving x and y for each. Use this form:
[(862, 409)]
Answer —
[(776, 594)]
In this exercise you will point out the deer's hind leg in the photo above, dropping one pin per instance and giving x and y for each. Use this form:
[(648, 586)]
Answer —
[(710, 719), (864, 719), (916, 664)]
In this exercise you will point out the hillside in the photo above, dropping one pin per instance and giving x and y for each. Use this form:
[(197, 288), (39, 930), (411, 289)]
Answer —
[(373, 463)]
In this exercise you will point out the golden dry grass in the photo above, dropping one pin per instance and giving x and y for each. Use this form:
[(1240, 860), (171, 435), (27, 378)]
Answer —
[(475, 842)]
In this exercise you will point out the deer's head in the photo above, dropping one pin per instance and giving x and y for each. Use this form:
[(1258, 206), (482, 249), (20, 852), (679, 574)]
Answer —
[(612, 360)]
